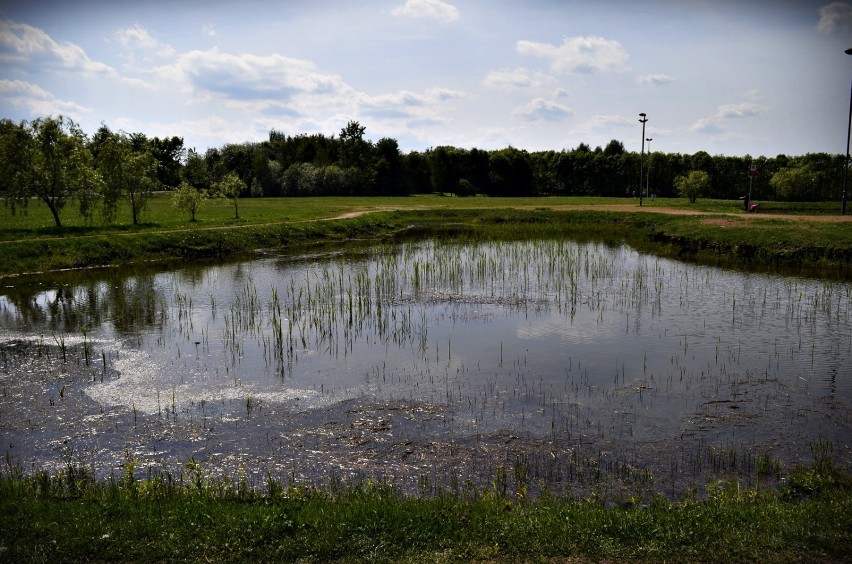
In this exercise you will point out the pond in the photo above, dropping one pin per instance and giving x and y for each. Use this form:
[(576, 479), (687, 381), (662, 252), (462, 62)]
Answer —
[(432, 364)]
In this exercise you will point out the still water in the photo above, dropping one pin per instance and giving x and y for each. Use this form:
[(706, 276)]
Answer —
[(431, 359)]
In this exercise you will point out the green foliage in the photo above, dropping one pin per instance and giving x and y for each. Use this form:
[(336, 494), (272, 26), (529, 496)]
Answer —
[(230, 187), (694, 184), (801, 183), (614, 147), (168, 152), (354, 148), (48, 159), (305, 179), (195, 171), (128, 173), (387, 171), (465, 188), (822, 476), (510, 173), (189, 199), (192, 516), (302, 165)]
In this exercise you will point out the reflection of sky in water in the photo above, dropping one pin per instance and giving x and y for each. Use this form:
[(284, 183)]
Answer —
[(533, 325)]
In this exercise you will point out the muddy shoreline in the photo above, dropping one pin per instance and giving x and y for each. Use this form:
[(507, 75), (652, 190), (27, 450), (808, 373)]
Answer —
[(48, 422)]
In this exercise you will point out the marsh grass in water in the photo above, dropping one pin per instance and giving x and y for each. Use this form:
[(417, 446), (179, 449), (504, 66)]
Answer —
[(575, 367)]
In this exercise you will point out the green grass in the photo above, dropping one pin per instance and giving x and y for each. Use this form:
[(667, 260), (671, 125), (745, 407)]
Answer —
[(72, 518), (721, 233)]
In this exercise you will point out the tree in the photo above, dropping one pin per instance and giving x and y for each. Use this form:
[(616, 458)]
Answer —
[(332, 180), (387, 168), (168, 152), (465, 188), (267, 172), (613, 148), (48, 159), (231, 187), (189, 199), (796, 184), (195, 171), (694, 184), (354, 148), (128, 169), (301, 179), (510, 173), (416, 173), (238, 159)]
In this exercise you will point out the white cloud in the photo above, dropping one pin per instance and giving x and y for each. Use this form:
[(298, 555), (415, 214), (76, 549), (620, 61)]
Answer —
[(655, 79), (25, 44), (209, 30), (836, 16), (408, 105), (19, 87), (273, 77), (603, 123), (135, 36), (444, 94), (517, 78), (578, 54), (540, 109), (436, 9), (726, 112), (743, 110), (38, 101)]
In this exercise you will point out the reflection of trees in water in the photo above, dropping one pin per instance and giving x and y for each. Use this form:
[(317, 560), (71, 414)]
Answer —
[(136, 304), (128, 303), (191, 276)]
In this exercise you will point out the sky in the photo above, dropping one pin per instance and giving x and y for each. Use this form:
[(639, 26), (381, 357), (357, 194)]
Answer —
[(730, 77)]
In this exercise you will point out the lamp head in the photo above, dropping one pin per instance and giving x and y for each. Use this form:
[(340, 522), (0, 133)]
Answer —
[(848, 51)]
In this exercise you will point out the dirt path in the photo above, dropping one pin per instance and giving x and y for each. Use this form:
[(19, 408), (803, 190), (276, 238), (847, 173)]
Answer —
[(625, 208)]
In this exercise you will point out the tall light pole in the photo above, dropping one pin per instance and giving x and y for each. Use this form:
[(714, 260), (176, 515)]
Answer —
[(642, 156), (648, 172), (846, 162)]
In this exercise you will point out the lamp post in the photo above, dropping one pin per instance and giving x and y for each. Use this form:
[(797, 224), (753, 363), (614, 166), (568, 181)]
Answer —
[(648, 172), (642, 155), (846, 162)]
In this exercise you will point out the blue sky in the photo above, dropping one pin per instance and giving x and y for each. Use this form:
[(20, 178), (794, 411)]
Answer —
[(758, 77)]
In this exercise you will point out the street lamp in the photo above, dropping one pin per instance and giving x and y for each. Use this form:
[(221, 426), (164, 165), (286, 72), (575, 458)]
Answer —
[(648, 172), (846, 162), (642, 156)]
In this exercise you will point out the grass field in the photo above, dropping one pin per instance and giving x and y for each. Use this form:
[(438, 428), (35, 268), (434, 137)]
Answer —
[(786, 234), (71, 518), (36, 220)]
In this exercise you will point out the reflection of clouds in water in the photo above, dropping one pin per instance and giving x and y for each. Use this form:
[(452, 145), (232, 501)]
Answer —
[(7, 307), (148, 386), (561, 328), (51, 339)]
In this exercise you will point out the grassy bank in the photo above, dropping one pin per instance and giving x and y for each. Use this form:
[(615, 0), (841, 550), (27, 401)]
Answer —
[(73, 518), (711, 231)]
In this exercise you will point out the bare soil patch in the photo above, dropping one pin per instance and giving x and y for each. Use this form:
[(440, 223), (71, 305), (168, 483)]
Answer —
[(721, 222)]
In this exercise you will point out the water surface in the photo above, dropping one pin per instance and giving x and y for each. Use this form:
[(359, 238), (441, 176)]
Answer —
[(434, 361)]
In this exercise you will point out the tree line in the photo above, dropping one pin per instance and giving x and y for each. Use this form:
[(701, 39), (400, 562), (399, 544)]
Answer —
[(53, 160)]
